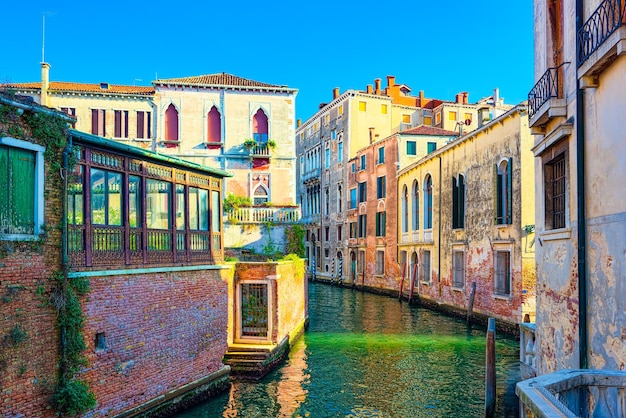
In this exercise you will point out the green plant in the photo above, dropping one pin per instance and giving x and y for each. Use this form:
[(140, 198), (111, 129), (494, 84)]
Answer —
[(529, 229), (232, 201), (271, 143), (230, 259), (21, 370), (295, 240), (17, 335), (73, 397), (249, 143)]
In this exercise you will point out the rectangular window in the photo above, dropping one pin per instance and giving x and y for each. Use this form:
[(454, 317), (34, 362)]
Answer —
[(381, 155), (134, 201), (158, 204), (426, 265), (383, 109), (75, 196), (555, 188), (18, 190), (339, 232), (411, 148), (431, 146), (98, 122), (353, 230), (70, 111), (458, 202), (468, 116), (362, 106), (144, 125), (353, 167), (502, 285), (362, 192), (428, 120), (353, 198), (327, 233), (333, 134), (452, 115), (120, 123), (362, 226), (106, 197), (406, 118), (381, 187), (198, 209), (254, 310), (363, 161), (327, 158), (503, 197), (340, 110), (216, 211), (380, 262), (458, 269), (381, 224), (340, 152), (437, 118)]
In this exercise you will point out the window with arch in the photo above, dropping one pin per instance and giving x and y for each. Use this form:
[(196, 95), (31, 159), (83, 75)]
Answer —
[(171, 123), (458, 202), (428, 202), (260, 126), (214, 126), (503, 193), (405, 209), (339, 199), (416, 206), (261, 195)]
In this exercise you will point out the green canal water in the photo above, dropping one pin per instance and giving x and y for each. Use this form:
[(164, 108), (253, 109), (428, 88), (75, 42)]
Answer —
[(367, 355)]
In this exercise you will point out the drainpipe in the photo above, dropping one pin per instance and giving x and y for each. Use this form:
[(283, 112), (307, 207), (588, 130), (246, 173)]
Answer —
[(439, 233), (582, 221), (64, 255)]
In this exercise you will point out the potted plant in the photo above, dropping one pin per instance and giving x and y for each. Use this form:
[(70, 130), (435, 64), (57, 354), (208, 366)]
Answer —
[(271, 143), (249, 144)]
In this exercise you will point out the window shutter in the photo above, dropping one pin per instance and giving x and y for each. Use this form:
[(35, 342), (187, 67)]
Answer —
[(461, 202), (496, 187), (509, 194), (455, 204), (22, 189), (94, 121), (4, 184)]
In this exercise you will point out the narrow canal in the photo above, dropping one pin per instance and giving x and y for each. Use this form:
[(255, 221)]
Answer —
[(366, 355)]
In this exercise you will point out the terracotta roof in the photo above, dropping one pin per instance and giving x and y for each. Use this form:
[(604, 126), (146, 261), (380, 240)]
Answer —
[(219, 79), (63, 86), (429, 130)]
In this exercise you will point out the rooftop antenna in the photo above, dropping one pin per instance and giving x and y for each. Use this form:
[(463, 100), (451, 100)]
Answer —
[(43, 34)]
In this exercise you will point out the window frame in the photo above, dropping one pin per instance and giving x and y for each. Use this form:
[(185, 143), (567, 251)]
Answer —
[(458, 270), (503, 290)]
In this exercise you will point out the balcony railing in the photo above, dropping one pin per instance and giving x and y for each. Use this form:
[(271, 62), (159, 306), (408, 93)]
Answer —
[(260, 149), (255, 215), (527, 350), (574, 393), (312, 174), (548, 87), (601, 24)]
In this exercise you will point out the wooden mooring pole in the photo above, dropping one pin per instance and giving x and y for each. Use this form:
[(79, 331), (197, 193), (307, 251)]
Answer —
[(490, 370), (470, 306)]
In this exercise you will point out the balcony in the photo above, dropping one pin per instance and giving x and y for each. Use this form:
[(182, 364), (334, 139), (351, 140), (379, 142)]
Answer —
[(259, 149), (600, 40), (546, 99), (573, 393), (257, 215), (311, 175)]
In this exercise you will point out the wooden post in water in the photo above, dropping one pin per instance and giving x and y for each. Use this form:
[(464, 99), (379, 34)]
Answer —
[(490, 370), (470, 307)]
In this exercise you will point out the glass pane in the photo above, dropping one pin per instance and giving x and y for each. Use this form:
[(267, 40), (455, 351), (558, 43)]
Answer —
[(114, 195), (193, 208), (134, 201), (203, 209), (98, 193), (75, 197), (180, 207), (158, 204), (215, 211)]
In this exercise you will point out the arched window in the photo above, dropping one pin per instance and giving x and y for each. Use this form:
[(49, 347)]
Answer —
[(416, 206), (428, 202), (261, 195), (504, 199), (405, 210), (171, 123), (259, 126), (214, 126), (458, 202)]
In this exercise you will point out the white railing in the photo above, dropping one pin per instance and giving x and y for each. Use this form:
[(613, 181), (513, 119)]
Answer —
[(416, 236), (573, 393), (527, 350), (253, 215)]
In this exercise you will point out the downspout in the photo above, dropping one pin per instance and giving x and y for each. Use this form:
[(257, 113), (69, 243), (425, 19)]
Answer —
[(439, 232), (64, 254), (582, 221)]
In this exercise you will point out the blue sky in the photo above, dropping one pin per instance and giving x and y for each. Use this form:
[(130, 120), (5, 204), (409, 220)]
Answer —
[(440, 47)]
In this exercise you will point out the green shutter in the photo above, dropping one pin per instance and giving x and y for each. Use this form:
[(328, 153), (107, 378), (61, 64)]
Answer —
[(455, 204), (4, 187), (509, 195), (22, 197)]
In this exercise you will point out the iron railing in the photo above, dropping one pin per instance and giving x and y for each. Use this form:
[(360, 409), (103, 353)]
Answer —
[(601, 24), (547, 88)]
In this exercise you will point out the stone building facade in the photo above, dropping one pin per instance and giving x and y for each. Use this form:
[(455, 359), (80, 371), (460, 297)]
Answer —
[(466, 216)]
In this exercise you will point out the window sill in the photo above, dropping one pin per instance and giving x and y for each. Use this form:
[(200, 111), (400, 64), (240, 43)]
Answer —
[(18, 237), (142, 139), (120, 139), (502, 297), (425, 283), (556, 234), (458, 289)]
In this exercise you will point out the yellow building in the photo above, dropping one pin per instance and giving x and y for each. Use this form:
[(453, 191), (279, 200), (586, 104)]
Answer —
[(466, 218)]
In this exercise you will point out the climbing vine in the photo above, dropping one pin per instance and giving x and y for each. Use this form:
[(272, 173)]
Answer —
[(72, 396), (295, 240)]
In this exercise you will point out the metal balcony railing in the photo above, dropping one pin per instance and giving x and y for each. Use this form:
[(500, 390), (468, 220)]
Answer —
[(547, 88), (574, 393), (601, 24)]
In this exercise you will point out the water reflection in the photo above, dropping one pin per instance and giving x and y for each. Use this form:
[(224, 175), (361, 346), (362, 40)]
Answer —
[(371, 356)]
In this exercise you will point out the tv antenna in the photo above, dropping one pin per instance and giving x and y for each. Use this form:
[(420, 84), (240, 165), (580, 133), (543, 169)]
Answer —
[(43, 34)]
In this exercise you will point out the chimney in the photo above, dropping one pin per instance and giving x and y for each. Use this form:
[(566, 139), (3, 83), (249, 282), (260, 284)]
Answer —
[(496, 96), (465, 97), (45, 82), (372, 135), (299, 123), (459, 98), (421, 103), (335, 93), (391, 81), (369, 89), (377, 85)]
